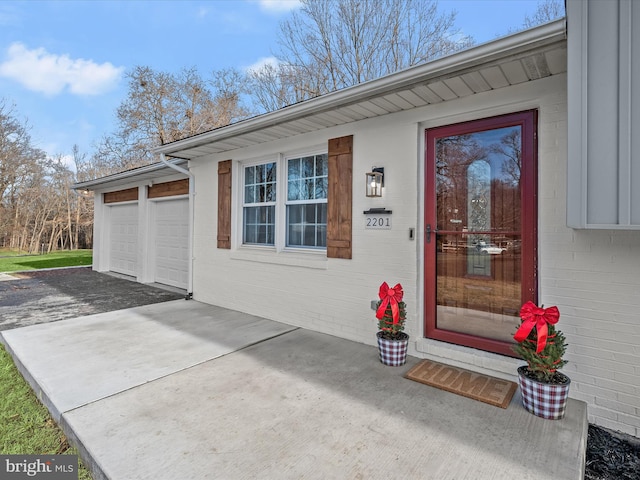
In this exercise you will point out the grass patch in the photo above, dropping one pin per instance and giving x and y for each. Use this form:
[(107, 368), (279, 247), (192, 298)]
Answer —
[(62, 258), (7, 252), (27, 427)]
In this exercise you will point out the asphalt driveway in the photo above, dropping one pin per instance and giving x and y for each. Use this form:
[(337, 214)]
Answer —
[(42, 296)]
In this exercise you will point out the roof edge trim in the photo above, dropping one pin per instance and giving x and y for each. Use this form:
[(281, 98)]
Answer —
[(536, 37), (134, 172)]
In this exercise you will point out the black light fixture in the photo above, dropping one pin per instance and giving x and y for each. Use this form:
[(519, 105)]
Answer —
[(375, 182)]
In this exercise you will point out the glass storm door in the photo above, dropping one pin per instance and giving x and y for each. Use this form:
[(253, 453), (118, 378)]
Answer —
[(480, 230)]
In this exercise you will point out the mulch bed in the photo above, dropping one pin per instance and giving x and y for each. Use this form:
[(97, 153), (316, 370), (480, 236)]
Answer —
[(611, 456)]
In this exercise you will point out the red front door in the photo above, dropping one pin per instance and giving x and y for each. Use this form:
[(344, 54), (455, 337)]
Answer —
[(480, 235)]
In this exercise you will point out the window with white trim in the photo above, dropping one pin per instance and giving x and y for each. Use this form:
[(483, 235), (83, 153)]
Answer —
[(259, 204), (292, 214), (307, 184)]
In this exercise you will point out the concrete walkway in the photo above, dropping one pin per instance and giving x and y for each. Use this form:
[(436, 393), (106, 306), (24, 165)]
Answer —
[(184, 390)]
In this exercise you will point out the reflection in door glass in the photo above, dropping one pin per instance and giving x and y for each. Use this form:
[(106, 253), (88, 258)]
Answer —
[(478, 267)]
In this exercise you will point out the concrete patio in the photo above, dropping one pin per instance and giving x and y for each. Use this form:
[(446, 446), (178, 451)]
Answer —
[(192, 391)]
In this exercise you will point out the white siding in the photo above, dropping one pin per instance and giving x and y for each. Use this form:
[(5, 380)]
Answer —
[(604, 114)]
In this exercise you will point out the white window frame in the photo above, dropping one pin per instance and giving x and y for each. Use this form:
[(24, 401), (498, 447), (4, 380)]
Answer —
[(288, 202), (242, 204), (280, 234)]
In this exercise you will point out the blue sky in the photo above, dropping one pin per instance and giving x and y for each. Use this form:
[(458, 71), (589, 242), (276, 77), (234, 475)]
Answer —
[(62, 63)]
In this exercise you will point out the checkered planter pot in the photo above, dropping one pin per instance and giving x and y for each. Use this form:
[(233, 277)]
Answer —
[(543, 399), (392, 352)]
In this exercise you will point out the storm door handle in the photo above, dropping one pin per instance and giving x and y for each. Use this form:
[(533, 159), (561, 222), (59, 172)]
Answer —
[(428, 231)]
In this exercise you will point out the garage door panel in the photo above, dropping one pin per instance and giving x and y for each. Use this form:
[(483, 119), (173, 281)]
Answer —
[(172, 242), (123, 239)]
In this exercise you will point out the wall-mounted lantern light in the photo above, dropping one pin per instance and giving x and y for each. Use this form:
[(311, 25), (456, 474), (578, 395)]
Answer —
[(375, 182)]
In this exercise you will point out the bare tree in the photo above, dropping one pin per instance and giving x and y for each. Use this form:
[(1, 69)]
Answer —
[(163, 107), (546, 11), (332, 44), (21, 164)]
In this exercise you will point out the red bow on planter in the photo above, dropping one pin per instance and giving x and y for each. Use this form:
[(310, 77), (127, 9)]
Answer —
[(534, 316), (390, 296)]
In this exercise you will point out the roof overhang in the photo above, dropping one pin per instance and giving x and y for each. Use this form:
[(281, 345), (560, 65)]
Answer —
[(522, 57), (145, 173)]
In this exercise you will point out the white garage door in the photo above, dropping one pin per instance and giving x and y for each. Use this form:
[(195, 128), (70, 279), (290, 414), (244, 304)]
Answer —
[(172, 242), (123, 239)]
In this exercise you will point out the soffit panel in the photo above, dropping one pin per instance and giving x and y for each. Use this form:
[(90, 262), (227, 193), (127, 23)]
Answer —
[(323, 120), (413, 99), (476, 82), (515, 72), (427, 94), (372, 107), (337, 117), (458, 86), (386, 105), (494, 77), (557, 61), (361, 109), (443, 92), (399, 102), (350, 114)]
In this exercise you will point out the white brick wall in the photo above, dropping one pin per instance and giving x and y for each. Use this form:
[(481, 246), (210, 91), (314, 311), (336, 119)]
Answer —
[(592, 276)]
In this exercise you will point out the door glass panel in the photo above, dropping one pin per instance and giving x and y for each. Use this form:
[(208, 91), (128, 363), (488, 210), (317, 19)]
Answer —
[(479, 232)]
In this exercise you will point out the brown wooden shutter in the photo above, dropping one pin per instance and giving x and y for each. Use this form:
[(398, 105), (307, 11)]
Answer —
[(224, 204), (340, 197)]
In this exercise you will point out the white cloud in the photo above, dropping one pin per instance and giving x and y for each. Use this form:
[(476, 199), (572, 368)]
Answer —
[(48, 73), (277, 6), (273, 61)]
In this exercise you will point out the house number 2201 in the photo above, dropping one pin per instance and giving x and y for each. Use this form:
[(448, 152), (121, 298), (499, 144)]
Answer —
[(378, 222)]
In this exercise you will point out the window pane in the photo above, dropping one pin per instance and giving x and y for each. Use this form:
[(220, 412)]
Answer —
[(270, 192), (258, 225), (310, 213), (294, 234), (294, 188), (322, 214), (259, 174), (260, 183), (321, 187), (249, 175), (309, 235), (308, 167), (321, 236), (306, 225), (322, 165), (295, 214), (293, 170), (307, 178), (249, 193), (270, 172)]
